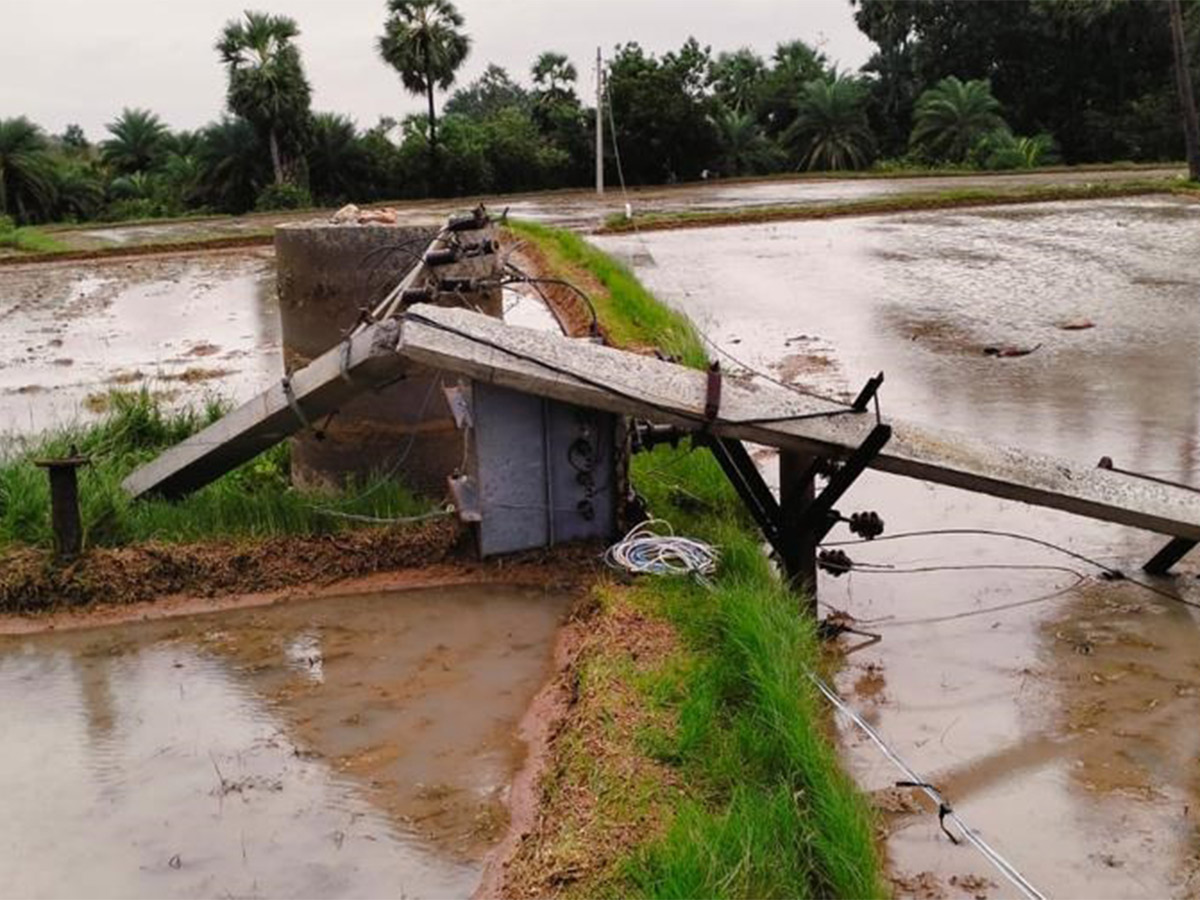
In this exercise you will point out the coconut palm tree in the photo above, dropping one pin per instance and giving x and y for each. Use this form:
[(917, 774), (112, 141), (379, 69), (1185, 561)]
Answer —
[(831, 129), (26, 171), (139, 141), (421, 41), (267, 86), (952, 116)]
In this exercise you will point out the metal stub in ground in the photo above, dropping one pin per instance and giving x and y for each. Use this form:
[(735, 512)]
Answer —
[(64, 502)]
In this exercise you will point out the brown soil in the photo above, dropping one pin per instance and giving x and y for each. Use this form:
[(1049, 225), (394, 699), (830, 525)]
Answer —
[(172, 247), (880, 206), (108, 586)]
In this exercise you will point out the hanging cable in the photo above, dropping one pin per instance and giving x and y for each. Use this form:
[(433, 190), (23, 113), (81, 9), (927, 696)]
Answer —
[(1109, 572), (945, 811)]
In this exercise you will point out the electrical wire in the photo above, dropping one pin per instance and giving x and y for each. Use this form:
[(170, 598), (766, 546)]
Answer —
[(644, 551), (697, 417), (1109, 571), (387, 520), (703, 335), (1007, 869), (890, 622)]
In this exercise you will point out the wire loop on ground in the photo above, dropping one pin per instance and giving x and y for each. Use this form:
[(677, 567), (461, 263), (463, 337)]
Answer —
[(645, 551)]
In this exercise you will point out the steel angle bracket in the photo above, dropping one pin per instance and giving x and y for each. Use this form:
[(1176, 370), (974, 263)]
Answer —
[(755, 494), (813, 520), (1162, 561)]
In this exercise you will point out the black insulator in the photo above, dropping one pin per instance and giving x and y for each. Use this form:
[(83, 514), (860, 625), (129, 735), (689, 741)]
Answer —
[(835, 562), (441, 257), (867, 525)]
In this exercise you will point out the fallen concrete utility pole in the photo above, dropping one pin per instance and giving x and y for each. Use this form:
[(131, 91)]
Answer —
[(367, 359), (588, 375), (585, 374)]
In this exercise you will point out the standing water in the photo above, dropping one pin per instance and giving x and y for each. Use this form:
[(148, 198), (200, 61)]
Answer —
[(1056, 711), (347, 747)]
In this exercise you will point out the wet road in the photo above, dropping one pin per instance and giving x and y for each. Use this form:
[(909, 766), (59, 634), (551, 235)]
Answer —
[(353, 747), (1056, 710)]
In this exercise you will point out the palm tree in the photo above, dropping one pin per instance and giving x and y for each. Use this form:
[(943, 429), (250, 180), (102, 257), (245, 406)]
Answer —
[(554, 73), (267, 86), (831, 129), (79, 191), (231, 160), (26, 170), (338, 166), (737, 79), (745, 150), (952, 116), (138, 143), (422, 42)]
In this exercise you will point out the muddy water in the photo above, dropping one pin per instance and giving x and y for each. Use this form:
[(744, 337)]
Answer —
[(182, 327), (1057, 711), (360, 746)]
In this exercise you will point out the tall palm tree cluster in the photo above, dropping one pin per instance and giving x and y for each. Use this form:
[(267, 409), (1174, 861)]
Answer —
[(686, 114)]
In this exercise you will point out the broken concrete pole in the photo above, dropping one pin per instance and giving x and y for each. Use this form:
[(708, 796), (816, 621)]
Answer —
[(327, 274), (349, 370)]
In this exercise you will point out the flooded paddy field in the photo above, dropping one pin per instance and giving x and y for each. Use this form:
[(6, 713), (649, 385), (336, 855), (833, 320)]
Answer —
[(1055, 709), (182, 326), (357, 746), (582, 209)]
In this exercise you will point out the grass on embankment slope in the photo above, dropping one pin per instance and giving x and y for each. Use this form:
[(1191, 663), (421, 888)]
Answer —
[(255, 500), (694, 761), (26, 240), (896, 203)]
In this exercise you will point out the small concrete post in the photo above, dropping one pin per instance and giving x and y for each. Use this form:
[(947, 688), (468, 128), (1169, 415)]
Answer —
[(796, 491), (64, 503)]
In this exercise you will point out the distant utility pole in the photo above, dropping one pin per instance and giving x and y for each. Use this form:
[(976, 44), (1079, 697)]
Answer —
[(599, 124), (1187, 100)]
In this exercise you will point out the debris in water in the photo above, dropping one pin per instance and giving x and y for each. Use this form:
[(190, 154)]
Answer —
[(1007, 351), (1076, 325)]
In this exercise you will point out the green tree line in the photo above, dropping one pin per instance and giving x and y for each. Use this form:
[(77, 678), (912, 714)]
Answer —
[(995, 84)]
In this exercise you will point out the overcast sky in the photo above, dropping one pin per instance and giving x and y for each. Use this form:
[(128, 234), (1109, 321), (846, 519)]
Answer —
[(82, 60)]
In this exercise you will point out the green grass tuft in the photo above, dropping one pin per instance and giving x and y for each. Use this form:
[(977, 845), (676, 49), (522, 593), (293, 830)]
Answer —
[(27, 240), (632, 315), (254, 500)]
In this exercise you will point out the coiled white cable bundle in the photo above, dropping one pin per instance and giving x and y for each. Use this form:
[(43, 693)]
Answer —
[(645, 551)]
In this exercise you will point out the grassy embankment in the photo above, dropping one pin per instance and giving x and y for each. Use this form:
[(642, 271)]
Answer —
[(26, 240), (896, 203), (253, 501), (694, 763)]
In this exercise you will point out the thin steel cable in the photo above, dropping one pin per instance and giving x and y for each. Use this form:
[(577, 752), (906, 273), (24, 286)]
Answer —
[(1007, 869)]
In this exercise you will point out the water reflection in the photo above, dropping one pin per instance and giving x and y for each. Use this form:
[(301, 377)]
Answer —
[(348, 747)]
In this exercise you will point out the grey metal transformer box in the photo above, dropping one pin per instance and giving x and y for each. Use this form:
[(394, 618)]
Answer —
[(535, 472)]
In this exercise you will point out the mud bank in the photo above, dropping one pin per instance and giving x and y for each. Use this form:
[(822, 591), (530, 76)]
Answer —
[(353, 746), (1048, 704)]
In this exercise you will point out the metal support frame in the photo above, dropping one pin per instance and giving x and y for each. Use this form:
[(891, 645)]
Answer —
[(1164, 559), (796, 526), (1176, 548)]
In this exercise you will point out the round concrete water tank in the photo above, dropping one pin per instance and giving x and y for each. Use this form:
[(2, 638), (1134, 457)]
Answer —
[(327, 274)]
